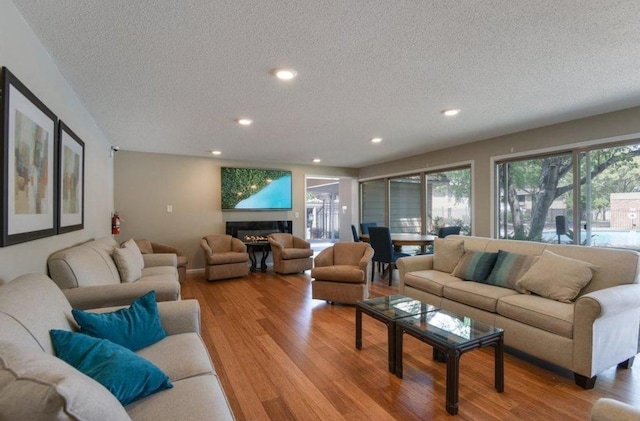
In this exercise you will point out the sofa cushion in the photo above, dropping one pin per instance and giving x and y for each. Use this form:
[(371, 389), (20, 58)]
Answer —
[(431, 281), (134, 246), (475, 265), (339, 273), (476, 294), (128, 264), (294, 253), (552, 316), (128, 376), (193, 357), (134, 328), (37, 386), (509, 268), (556, 277), (447, 254)]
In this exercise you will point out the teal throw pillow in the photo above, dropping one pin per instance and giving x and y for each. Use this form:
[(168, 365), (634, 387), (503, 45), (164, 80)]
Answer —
[(128, 376), (134, 328), (509, 268), (475, 265)]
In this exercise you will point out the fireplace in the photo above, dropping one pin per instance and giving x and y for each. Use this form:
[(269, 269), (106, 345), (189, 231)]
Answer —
[(254, 235), (254, 231)]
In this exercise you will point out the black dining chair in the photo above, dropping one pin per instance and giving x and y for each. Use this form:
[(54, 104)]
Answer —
[(354, 231), (364, 227), (380, 240), (445, 231)]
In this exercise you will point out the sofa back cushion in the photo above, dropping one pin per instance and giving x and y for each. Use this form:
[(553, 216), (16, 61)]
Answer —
[(349, 253), (615, 266), (87, 264), (38, 305), (447, 253), (285, 239), (38, 386)]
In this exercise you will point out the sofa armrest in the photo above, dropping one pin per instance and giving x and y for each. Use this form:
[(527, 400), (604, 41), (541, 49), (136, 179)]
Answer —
[(176, 316), (366, 258), (238, 246), (180, 316), (414, 263), (611, 410), (606, 325), (160, 259), (163, 248), (299, 243), (95, 296)]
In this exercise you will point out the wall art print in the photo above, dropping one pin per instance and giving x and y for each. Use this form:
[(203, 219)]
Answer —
[(71, 177), (28, 157)]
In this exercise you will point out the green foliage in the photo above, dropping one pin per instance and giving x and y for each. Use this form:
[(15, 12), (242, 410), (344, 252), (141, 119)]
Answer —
[(240, 183)]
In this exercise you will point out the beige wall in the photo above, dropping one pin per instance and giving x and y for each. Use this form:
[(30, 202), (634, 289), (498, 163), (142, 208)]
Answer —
[(22, 53), (145, 183), (601, 128)]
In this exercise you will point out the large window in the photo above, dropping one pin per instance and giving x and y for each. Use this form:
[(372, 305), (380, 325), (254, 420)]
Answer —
[(448, 199), (419, 203), (405, 209), (588, 197)]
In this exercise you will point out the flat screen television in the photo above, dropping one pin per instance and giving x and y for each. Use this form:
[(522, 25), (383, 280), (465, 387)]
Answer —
[(246, 189)]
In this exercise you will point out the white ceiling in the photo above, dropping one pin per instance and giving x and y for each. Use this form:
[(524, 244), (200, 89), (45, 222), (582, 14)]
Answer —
[(171, 76)]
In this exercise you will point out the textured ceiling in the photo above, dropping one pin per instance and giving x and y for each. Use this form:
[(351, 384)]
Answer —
[(171, 76)]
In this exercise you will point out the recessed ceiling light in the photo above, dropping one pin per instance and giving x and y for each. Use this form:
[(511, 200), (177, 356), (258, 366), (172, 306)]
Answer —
[(376, 139), (285, 74), (451, 112), (216, 153), (244, 121), (316, 160)]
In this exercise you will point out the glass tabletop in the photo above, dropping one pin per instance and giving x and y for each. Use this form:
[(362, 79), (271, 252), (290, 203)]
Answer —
[(396, 306), (449, 327)]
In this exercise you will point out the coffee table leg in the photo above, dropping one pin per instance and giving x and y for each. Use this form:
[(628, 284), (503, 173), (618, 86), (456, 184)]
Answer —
[(499, 369), (391, 347), (453, 381), (398, 354), (358, 328)]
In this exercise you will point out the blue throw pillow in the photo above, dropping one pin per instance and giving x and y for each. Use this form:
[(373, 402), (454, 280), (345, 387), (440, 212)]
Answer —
[(128, 376), (475, 265), (135, 327)]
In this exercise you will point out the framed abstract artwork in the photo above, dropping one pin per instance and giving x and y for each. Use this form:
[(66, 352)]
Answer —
[(28, 165), (71, 180)]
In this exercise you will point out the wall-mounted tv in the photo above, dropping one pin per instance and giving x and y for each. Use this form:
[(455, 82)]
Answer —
[(255, 189)]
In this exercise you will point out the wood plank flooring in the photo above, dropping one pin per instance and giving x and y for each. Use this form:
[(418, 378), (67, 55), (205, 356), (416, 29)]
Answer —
[(283, 356)]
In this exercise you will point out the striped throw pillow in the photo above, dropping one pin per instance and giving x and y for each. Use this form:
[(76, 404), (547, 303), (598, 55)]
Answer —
[(509, 268), (475, 265)]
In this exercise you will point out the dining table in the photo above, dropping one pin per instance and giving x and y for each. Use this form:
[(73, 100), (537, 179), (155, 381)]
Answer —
[(408, 239)]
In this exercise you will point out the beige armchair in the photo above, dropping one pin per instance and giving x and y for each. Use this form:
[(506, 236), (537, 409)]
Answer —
[(341, 273), (151, 247), (291, 254), (225, 257)]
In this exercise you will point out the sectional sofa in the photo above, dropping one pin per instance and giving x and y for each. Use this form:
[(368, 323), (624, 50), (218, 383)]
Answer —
[(35, 385), (588, 330)]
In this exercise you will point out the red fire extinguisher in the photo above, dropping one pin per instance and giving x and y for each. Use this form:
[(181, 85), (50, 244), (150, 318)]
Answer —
[(115, 224)]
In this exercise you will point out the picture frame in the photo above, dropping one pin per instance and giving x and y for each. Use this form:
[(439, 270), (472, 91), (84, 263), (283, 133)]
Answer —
[(28, 203), (70, 180)]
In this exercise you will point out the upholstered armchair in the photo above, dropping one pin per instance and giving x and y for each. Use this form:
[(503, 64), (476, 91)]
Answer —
[(151, 247), (225, 257), (291, 254), (341, 273)]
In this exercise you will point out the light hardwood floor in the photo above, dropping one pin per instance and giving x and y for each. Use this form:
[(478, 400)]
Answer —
[(283, 356)]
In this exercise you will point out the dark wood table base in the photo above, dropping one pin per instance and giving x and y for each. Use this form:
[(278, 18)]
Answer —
[(445, 352)]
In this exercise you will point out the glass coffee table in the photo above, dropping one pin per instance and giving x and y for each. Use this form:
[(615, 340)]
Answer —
[(451, 336), (389, 310)]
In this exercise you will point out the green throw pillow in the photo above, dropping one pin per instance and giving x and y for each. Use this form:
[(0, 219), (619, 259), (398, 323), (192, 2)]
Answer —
[(475, 265), (509, 268), (134, 328), (128, 376)]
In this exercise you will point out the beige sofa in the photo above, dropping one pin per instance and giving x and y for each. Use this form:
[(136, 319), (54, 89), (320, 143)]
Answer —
[(593, 332), (35, 385), (88, 275)]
